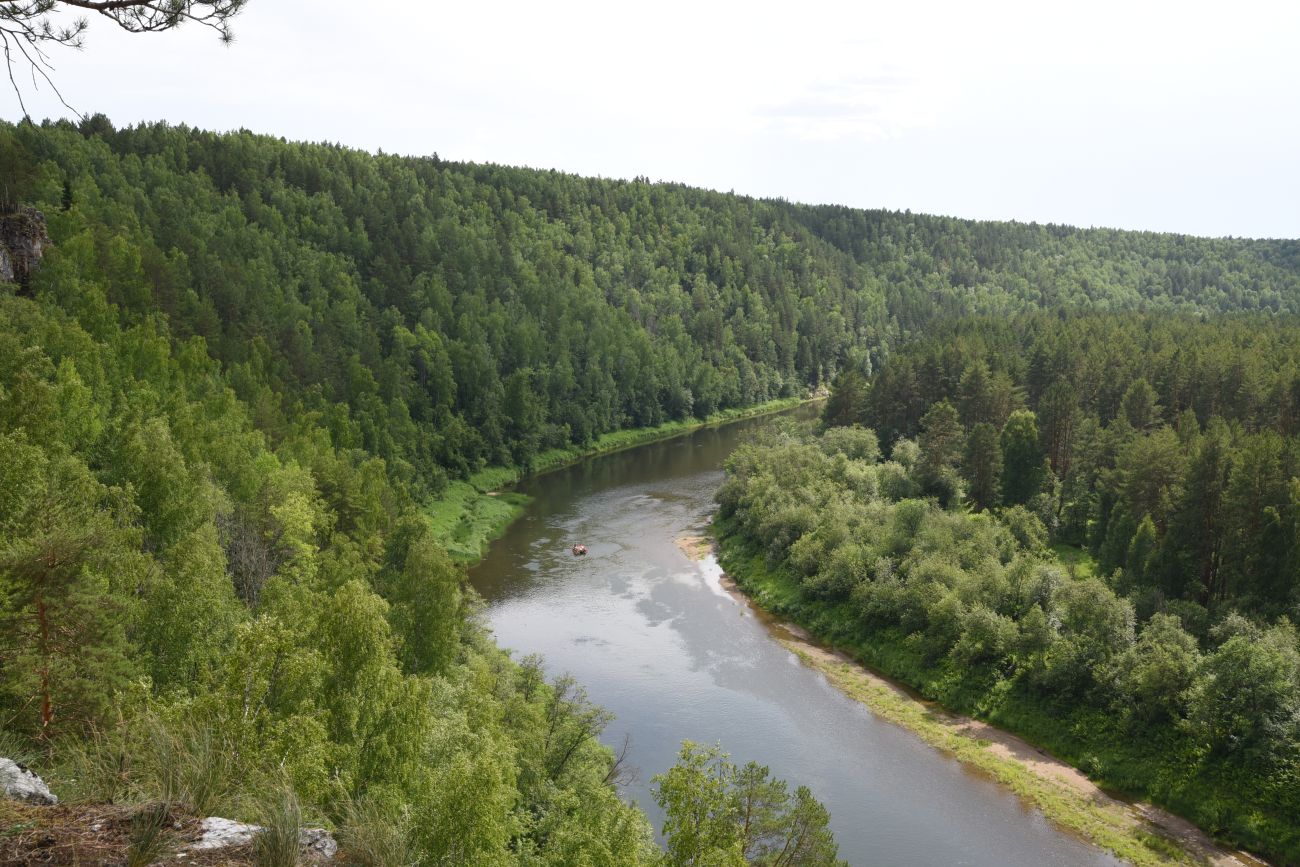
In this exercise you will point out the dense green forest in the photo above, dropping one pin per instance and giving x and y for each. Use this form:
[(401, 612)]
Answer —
[(218, 584), (1169, 447), (247, 369), (1087, 529), (445, 315)]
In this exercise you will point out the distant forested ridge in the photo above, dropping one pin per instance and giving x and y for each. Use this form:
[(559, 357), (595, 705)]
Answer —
[(246, 367), (443, 315)]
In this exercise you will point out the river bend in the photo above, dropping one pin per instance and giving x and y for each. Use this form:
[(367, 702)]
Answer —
[(654, 638)]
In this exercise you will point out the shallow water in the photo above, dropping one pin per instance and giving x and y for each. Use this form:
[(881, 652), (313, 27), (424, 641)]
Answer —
[(655, 638)]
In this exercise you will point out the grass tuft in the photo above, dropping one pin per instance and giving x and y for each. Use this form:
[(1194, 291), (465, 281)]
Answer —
[(280, 841), (151, 837), (18, 748), (189, 763), (372, 837)]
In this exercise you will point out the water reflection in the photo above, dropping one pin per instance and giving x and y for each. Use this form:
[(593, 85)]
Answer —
[(655, 639)]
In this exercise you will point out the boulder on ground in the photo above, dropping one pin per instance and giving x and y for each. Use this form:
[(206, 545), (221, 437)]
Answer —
[(317, 843), (219, 833), (19, 783)]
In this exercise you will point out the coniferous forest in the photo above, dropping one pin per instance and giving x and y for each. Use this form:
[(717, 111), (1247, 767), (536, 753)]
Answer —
[(246, 370)]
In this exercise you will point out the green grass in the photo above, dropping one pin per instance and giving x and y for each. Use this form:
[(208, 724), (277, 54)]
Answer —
[(280, 841), (1077, 561), (465, 518), (471, 513)]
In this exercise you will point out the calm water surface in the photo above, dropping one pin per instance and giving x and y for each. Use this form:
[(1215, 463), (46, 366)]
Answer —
[(655, 639)]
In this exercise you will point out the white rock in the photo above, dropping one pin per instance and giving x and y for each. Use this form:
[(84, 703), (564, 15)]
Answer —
[(18, 782), (221, 833)]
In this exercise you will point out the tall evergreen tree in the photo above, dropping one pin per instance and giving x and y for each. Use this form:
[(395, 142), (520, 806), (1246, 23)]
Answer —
[(982, 465), (941, 442), (1023, 469), (1139, 405), (1058, 413), (847, 401)]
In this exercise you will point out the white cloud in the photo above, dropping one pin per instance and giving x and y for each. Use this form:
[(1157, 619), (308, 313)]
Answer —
[(862, 109), (1160, 115)]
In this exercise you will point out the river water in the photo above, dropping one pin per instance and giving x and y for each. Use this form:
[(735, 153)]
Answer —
[(655, 639)]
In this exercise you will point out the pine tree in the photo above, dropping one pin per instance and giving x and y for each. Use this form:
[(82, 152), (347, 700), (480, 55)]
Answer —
[(1023, 468), (940, 442), (982, 465), (63, 648)]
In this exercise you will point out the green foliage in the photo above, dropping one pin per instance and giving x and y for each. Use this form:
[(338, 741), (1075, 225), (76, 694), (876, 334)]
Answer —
[(1158, 672), (1022, 459), (982, 465), (846, 402), (976, 611), (941, 443), (1247, 699), (63, 648), (1025, 528), (202, 601), (855, 443), (1139, 407), (1170, 442), (422, 587), (722, 815), (17, 172)]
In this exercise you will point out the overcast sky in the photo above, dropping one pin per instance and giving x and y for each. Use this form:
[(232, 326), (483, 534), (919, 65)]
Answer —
[(1145, 115)]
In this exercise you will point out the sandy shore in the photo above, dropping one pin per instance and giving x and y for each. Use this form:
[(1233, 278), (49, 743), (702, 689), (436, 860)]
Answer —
[(1140, 833), (695, 547)]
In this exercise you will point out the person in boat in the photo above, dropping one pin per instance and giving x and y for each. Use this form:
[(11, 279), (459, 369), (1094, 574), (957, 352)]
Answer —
[(579, 550)]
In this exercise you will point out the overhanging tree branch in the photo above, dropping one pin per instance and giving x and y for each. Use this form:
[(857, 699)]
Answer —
[(27, 26)]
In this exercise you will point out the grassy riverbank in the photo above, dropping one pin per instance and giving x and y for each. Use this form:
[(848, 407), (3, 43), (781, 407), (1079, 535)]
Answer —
[(1138, 833), (472, 512)]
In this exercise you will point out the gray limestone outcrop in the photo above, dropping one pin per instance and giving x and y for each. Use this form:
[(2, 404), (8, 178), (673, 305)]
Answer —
[(19, 783), (317, 843)]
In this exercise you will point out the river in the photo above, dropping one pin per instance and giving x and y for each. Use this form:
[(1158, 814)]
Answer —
[(655, 639)]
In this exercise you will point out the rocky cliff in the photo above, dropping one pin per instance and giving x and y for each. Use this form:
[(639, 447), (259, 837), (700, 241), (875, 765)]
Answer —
[(23, 241)]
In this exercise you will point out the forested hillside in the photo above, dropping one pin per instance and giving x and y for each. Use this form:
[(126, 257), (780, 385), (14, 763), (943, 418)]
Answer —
[(941, 266), (246, 368), (463, 314)]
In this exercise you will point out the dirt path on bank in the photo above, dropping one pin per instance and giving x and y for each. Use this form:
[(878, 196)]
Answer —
[(1139, 832)]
